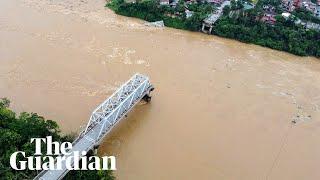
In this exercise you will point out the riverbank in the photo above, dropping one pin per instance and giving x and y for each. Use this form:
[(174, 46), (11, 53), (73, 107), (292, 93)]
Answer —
[(243, 26), (151, 11)]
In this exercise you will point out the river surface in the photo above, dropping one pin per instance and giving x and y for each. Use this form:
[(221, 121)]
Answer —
[(221, 109)]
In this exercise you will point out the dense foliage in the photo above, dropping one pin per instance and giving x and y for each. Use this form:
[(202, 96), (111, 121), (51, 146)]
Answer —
[(150, 10), (305, 15), (243, 25), (285, 35), (15, 134), (282, 36)]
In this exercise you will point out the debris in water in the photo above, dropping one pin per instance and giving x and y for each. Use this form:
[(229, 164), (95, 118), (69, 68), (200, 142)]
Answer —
[(155, 24)]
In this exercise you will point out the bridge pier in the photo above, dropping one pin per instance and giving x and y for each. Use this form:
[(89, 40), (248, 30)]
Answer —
[(147, 97), (207, 28)]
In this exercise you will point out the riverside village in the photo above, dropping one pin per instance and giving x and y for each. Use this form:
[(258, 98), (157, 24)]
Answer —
[(305, 13)]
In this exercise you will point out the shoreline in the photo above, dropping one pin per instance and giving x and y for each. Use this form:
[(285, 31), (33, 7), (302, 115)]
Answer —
[(119, 7)]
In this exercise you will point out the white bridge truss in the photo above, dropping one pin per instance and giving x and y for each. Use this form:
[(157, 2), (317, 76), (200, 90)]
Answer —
[(118, 104), (105, 117)]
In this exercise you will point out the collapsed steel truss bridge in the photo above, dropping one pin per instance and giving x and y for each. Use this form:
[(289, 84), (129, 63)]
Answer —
[(104, 118)]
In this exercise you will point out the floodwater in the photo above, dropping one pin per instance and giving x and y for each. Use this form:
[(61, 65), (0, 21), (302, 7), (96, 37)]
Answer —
[(221, 109)]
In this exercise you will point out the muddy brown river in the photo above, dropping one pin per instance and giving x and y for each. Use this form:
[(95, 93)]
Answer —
[(221, 109)]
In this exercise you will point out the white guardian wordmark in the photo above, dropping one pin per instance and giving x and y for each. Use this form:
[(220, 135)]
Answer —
[(59, 156)]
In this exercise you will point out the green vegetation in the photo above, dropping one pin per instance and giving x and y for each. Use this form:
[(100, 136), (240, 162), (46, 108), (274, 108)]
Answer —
[(243, 25), (305, 15), (281, 37), (15, 134), (284, 35), (150, 10), (236, 5)]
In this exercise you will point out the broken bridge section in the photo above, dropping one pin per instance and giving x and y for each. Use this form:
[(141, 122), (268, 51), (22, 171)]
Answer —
[(104, 118)]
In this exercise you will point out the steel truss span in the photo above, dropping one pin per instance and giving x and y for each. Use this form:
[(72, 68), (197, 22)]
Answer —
[(104, 118)]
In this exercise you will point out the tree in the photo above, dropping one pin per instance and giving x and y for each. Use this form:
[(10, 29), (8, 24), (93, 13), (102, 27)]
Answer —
[(15, 135), (226, 10)]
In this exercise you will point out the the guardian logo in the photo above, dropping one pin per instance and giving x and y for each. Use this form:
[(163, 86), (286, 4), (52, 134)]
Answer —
[(59, 156)]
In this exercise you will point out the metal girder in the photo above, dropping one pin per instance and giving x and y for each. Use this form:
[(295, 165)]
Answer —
[(120, 102)]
